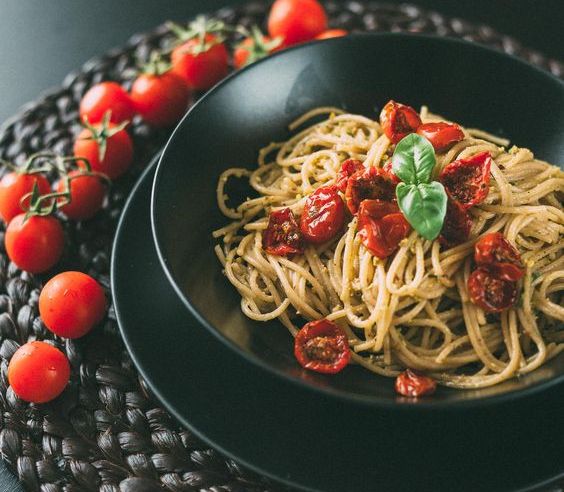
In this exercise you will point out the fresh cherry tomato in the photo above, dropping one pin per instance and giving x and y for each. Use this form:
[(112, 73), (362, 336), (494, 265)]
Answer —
[(499, 256), (34, 244), (381, 227), (442, 135), (387, 168), (369, 184), (282, 236), (254, 48), (104, 97), (71, 303), (118, 155), (332, 33), (323, 216), (456, 226), (413, 384), (38, 372), (201, 65), (348, 168), (398, 120), (322, 346), (87, 193), (13, 187), (296, 21), (468, 180), (160, 99), (491, 293)]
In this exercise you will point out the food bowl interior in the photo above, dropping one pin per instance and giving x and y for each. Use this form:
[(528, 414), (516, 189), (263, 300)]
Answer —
[(475, 86)]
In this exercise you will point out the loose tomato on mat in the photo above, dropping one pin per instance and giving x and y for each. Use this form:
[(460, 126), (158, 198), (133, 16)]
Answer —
[(38, 372), (323, 215), (322, 346), (369, 184), (499, 256), (348, 168), (468, 180), (398, 120), (103, 98), (457, 225), (254, 47), (282, 236), (87, 193), (412, 384), (13, 187), (296, 21), (491, 293), (381, 227), (442, 135), (71, 303), (332, 33)]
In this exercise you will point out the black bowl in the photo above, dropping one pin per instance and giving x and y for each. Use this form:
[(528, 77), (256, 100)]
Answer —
[(476, 86)]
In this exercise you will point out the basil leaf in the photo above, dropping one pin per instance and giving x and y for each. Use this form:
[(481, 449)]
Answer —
[(424, 207), (414, 159)]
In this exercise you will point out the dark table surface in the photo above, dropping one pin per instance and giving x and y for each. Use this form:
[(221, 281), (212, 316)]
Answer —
[(40, 42)]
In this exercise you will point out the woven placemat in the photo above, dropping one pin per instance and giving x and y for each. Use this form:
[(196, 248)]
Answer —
[(106, 432)]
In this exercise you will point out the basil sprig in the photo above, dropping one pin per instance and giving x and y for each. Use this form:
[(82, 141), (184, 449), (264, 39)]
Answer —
[(422, 201)]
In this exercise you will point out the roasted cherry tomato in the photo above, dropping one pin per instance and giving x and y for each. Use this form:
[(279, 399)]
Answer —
[(161, 99), (491, 293), (413, 384), (34, 244), (381, 227), (296, 21), (398, 120), (387, 168), (468, 180), (456, 226), (104, 97), (13, 187), (369, 184), (201, 64), (87, 193), (254, 48), (323, 216), (332, 33), (497, 254), (282, 236), (442, 135), (71, 303), (118, 153), (322, 346), (38, 372), (348, 168)]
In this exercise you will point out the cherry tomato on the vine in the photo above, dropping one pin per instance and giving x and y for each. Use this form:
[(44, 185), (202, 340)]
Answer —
[(104, 97), (442, 135), (282, 236), (296, 21), (413, 384), (323, 215), (13, 187), (490, 292), (369, 184), (254, 48), (71, 303), (398, 120), (87, 193), (499, 256), (332, 33), (348, 168)]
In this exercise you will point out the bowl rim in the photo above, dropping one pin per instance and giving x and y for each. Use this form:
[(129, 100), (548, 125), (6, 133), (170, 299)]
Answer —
[(362, 399)]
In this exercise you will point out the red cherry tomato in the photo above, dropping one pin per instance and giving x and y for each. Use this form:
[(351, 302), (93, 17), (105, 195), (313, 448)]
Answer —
[(413, 384), (497, 254), (160, 99), (348, 168), (456, 226), (381, 227), (442, 135), (387, 168), (491, 293), (296, 21), (322, 346), (200, 67), (103, 97), (38, 372), (323, 216), (282, 236), (13, 186), (118, 156), (332, 33), (369, 184), (71, 303), (468, 180), (36, 244), (398, 120), (87, 193), (251, 49)]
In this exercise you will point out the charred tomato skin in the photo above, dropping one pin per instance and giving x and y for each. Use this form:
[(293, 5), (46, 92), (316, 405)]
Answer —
[(491, 293), (497, 254), (398, 120), (348, 168), (457, 225), (468, 180), (282, 236), (369, 184), (323, 215)]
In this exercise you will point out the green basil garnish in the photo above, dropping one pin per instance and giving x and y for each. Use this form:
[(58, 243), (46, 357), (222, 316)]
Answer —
[(423, 202)]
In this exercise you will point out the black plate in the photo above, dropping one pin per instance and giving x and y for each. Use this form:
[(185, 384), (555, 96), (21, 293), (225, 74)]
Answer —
[(307, 438), (468, 83)]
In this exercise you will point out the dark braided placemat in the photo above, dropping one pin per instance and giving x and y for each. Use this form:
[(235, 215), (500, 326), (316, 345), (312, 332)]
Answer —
[(106, 432)]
